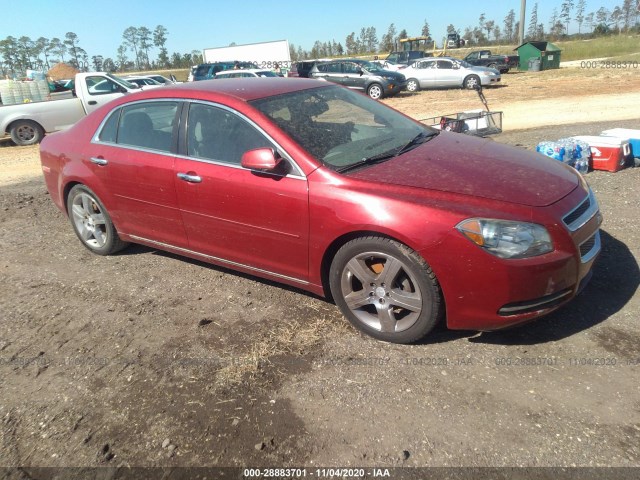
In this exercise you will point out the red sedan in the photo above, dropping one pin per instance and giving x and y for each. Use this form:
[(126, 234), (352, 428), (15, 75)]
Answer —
[(316, 186)]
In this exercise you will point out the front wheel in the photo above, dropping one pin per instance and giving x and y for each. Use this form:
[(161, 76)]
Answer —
[(92, 222), (413, 85), (375, 91), (471, 81), (26, 132), (385, 289)]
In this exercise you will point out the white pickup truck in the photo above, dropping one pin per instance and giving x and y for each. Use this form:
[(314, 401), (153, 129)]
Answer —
[(27, 123)]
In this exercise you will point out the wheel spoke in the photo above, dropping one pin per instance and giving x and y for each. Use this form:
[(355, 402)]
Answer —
[(387, 318), (100, 237), (78, 211), (85, 234), (390, 271), (409, 300), (86, 203), (360, 271), (357, 299), (98, 219)]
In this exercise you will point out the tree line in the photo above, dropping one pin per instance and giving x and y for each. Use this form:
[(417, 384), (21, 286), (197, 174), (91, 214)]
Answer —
[(621, 18), (140, 44), (134, 53)]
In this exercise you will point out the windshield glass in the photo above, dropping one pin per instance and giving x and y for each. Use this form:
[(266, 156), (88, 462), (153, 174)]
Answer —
[(121, 81), (464, 64), (340, 127), (371, 67)]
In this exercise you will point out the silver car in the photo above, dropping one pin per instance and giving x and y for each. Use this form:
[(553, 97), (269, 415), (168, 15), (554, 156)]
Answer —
[(447, 72)]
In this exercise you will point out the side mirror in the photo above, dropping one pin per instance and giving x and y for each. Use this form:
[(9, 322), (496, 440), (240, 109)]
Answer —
[(262, 159)]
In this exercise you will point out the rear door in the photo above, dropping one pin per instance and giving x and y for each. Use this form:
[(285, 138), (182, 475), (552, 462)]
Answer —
[(446, 75), (242, 217), (133, 158), (425, 72)]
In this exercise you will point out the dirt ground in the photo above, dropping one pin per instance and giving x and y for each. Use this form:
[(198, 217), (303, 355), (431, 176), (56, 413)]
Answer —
[(149, 359)]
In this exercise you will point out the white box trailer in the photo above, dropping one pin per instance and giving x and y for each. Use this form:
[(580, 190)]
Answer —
[(263, 55)]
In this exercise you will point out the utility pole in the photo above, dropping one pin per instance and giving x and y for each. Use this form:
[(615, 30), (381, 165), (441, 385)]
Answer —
[(523, 8)]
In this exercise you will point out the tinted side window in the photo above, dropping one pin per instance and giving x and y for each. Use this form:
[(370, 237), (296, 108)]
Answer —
[(217, 134), (444, 65), (109, 130), (333, 68), (148, 125)]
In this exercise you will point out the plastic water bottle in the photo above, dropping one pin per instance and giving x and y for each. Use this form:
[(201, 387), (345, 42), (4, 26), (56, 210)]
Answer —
[(552, 150)]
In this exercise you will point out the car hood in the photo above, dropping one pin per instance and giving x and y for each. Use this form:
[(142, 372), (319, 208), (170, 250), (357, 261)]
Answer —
[(457, 163)]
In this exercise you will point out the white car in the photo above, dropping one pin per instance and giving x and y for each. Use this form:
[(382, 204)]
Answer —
[(447, 72), (143, 81), (161, 79), (394, 67), (246, 73)]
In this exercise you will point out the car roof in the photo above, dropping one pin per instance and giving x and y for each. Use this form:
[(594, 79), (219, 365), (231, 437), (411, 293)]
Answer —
[(250, 70), (245, 89)]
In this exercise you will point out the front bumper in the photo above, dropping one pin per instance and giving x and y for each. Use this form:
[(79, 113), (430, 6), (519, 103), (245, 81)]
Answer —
[(483, 292)]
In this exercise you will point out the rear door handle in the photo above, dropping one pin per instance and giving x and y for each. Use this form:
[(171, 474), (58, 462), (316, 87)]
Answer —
[(92, 102), (189, 178), (98, 161)]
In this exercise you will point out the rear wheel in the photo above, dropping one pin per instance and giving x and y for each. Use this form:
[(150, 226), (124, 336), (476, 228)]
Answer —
[(413, 85), (26, 132), (92, 222), (471, 81), (375, 91), (385, 289)]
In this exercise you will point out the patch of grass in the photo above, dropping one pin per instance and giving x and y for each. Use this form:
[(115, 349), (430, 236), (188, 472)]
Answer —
[(289, 337), (602, 47)]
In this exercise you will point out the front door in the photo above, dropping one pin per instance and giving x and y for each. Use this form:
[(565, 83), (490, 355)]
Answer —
[(237, 215)]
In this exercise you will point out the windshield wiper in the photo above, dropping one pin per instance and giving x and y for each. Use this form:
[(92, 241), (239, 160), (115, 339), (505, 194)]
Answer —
[(415, 141), (368, 161), (419, 139)]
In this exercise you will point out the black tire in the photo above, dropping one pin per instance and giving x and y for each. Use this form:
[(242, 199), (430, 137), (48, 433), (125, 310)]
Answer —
[(375, 91), (92, 223), (413, 85), (471, 81), (385, 289), (26, 132)]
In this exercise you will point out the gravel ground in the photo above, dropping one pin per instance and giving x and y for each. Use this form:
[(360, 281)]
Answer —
[(149, 359)]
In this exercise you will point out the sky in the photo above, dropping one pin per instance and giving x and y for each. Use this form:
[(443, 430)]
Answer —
[(199, 24)]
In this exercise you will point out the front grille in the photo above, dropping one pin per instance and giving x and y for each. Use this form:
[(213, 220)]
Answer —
[(577, 213)]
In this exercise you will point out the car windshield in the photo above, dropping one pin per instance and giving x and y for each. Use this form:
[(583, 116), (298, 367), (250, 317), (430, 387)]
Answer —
[(342, 128), (122, 81)]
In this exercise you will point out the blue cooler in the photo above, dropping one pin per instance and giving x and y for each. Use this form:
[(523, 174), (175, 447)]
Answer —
[(628, 134)]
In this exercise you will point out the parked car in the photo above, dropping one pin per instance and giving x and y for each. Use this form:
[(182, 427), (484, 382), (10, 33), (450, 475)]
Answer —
[(246, 73), (361, 75), (143, 81), (206, 71), (313, 185), (484, 58), (447, 72), (301, 69), (162, 79)]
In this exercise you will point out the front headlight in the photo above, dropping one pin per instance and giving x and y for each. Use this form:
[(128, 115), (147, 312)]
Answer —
[(507, 239)]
